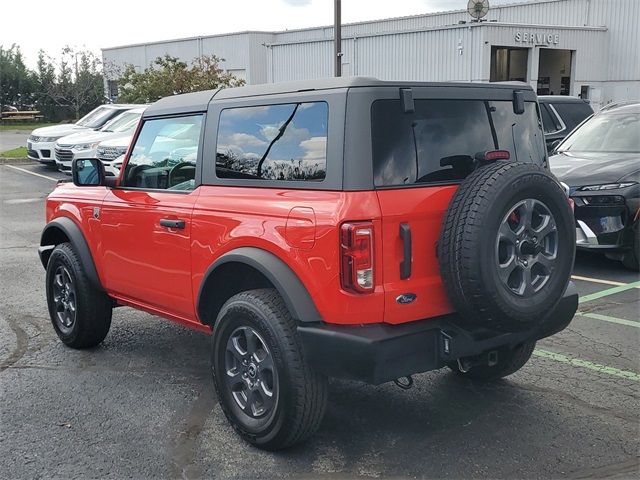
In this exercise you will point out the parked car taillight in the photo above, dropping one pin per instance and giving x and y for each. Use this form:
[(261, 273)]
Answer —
[(356, 244)]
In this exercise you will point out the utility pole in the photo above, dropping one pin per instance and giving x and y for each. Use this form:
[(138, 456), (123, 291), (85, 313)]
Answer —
[(337, 37)]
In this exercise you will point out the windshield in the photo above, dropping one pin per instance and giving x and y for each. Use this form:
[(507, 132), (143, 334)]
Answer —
[(95, 118), (125, 122), (606, 133)]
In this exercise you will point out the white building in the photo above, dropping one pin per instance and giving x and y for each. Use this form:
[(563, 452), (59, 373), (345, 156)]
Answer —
[(575, 47)]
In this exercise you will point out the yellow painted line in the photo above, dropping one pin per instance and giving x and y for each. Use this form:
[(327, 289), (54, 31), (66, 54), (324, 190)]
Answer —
[(577, 362), (31, 173), (598, 280)]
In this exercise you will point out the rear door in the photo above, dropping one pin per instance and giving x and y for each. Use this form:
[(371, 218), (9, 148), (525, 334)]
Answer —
[(146, 221), (419, 158)]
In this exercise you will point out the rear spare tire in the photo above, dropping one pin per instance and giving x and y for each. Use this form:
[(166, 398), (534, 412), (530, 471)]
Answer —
[(507, 246)]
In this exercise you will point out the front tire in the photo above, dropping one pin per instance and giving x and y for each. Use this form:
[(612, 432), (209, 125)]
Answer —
[(267, 391), (80, 313)]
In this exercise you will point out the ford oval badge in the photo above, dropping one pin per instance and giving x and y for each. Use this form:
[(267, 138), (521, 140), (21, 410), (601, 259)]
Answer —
[(406, 298)]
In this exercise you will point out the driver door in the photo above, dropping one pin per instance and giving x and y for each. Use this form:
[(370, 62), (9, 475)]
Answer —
[(146, 221)]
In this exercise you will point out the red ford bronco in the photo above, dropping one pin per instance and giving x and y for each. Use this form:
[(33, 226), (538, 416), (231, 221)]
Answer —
[(347, 228)]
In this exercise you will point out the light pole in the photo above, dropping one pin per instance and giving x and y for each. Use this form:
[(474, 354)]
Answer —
[(337, 37)]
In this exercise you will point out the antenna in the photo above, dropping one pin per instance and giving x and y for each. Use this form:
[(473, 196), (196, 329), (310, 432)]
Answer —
[(478, 8)]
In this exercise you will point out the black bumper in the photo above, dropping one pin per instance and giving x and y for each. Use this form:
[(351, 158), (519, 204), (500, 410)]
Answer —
[(378, 353)]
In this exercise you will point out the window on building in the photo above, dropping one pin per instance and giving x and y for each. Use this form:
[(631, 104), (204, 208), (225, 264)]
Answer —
[(273, 142), (112, 87), (508, 64), (439, 141), (164, 155)]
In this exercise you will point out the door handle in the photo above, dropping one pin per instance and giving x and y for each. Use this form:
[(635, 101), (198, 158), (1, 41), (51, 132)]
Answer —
[(165, 222), (405, 265)]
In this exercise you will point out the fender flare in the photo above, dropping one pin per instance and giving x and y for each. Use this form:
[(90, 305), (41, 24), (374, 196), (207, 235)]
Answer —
[(72, 231), (289, 286)]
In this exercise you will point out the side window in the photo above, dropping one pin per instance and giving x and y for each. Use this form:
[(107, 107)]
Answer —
[(164, 155), (549, 122), (285, 142)]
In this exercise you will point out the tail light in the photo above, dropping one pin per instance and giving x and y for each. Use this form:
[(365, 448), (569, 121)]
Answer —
[(356, 245)]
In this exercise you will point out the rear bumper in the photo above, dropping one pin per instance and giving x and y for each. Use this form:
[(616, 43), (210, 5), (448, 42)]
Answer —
[(379, 353)]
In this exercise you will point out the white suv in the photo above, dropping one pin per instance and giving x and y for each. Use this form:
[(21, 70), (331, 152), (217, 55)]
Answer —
[(84, 144), (111, 154), (41, 142)]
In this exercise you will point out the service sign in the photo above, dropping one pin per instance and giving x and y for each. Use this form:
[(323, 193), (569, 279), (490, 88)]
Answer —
[(538, 38)]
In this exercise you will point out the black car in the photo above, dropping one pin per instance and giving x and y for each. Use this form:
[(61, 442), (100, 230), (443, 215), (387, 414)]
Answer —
[(560, 115), (600, 162)]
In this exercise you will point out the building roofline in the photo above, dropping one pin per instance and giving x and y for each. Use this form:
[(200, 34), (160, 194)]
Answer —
[(322, 27), (188, 39), (441, 27)]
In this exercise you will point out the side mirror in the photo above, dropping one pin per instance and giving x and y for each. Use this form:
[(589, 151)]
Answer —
[(88, 172)]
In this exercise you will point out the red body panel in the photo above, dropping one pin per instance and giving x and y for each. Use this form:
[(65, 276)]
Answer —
[(159, 269), (221, 222), (422, 209), (141, 260)]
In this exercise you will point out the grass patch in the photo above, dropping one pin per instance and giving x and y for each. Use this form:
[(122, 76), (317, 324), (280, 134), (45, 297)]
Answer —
[(24, 126), (20, 152)]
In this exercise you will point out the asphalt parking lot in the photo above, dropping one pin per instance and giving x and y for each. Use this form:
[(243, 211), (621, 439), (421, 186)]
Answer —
[(142, 404)]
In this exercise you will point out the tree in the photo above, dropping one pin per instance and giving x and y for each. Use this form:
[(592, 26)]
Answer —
[(17, 84), (78, 85), (171, 76)]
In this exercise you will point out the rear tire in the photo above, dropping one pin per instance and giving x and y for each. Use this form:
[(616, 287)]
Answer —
[(80, 314), (267, 391), (509, 361)]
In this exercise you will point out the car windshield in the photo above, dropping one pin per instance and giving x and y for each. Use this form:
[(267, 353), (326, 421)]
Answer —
[(606, 133), (96, 117), (125, 122)]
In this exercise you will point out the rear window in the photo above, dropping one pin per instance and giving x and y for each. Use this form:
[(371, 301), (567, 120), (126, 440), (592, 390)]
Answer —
[(438, 142), (572, 113)]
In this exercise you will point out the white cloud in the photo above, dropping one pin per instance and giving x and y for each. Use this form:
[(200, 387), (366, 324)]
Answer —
[(315, 148), (247, 140)]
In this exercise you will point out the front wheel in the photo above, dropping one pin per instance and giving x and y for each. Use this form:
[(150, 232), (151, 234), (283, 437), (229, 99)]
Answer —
[(267, 391), (80, 314), (510, 360)]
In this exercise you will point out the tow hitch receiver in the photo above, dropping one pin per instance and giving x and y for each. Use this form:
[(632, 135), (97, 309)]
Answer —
[(488, 359)]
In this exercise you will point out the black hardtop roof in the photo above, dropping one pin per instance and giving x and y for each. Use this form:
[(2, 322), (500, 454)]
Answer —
[(199, 101)]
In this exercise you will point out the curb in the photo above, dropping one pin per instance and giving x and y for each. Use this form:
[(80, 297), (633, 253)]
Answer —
[(16, 161)]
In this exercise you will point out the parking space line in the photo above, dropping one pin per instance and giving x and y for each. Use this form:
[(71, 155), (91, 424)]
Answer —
[(598, 280), (607, 318), (576, 362), (609, 291), (31, 173)]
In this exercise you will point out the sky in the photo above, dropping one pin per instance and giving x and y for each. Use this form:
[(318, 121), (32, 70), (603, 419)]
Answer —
[(52, 24)]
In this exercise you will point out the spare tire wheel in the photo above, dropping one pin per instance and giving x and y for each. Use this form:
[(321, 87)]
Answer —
[(507, 246)]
